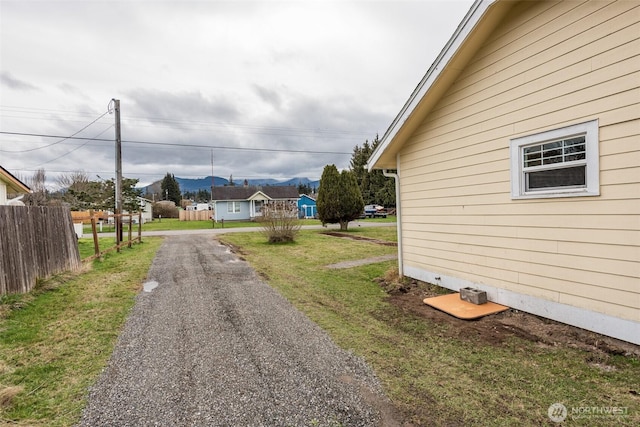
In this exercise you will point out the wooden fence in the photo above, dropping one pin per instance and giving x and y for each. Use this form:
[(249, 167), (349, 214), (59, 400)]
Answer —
[(126, 220), (195, 215), (35, 243)]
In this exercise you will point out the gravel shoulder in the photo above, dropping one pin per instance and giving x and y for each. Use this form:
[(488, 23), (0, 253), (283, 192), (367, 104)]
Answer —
[(213, 345)]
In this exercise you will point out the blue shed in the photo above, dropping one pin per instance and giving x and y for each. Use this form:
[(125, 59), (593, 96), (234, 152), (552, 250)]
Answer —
[(307, 206)]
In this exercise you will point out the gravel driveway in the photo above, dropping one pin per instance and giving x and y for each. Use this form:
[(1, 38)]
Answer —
[(213, 345)]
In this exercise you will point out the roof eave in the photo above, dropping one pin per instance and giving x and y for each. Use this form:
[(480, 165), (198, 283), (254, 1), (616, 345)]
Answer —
[(257, 194), (442, 73), (14, 184)]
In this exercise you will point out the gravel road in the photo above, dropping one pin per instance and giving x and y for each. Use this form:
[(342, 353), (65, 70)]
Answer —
[(213, 345)]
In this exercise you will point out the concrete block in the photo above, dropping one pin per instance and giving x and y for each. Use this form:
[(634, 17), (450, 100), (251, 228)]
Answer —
[(475, 296)]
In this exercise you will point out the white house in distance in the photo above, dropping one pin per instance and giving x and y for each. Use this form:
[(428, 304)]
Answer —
[(146, 207), (517, 162), (9, 184)]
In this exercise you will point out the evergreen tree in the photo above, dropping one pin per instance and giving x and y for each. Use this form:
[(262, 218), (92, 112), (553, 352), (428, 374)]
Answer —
[(304, 189), (203, 196), (375, 187), (339, 199), (171, 189), (87, 195), (130, 194), (82, 194), (328, 198)]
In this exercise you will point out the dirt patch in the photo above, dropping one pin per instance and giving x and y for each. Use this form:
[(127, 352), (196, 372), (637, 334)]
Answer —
[(496, 328), (362, 238), (235, 249)]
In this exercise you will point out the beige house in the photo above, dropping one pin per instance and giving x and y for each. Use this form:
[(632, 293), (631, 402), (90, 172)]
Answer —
[(9, 184), (517, 162)]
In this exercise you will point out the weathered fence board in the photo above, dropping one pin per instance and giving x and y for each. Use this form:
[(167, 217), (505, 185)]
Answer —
[(35, 243), (195, 215)]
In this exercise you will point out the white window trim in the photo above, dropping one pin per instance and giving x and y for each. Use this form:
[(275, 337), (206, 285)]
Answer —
[(589, 130), (231, 207)]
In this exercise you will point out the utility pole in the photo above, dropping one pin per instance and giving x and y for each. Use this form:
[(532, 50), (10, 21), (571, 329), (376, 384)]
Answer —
[(213, 182), (211, 204), (116, 107)]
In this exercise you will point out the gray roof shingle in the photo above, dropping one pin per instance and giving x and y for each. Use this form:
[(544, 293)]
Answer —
[(243, 193)]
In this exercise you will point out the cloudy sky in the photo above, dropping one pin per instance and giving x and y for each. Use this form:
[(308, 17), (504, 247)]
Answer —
[(270, 89)]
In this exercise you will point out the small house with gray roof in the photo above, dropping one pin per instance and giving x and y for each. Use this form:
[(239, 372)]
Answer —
[(243, 203)]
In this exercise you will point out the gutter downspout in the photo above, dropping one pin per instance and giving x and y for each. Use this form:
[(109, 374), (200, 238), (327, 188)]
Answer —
[(396, 178)]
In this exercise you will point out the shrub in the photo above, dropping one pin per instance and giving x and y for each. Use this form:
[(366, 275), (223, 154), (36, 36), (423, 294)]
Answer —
[(339, 199), (279, 221), (165, 209)]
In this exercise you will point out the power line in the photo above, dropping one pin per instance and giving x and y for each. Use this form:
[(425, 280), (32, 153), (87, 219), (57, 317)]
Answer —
[(131, 174), (175, 144), (57, 142), (73, 149), (273, 129), (260, 129)]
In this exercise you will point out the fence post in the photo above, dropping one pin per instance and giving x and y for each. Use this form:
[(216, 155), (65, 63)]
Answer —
[(96, 246), (130, 229)]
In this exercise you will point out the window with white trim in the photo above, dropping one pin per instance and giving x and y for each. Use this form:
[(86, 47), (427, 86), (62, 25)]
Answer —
[(233, 207), (558, 163)]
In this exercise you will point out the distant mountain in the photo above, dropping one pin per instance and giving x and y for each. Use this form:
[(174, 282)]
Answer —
[(193, 185), (187, 184), (303, 181)]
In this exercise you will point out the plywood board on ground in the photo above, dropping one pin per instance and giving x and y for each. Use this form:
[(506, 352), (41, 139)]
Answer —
[(453, 305)]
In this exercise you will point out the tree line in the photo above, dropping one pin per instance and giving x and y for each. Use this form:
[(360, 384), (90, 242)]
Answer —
[(79, 192)]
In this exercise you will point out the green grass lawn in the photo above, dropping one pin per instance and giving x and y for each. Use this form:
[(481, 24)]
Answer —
[(436, 380), (86, 248), (175, 224), (55, 341)]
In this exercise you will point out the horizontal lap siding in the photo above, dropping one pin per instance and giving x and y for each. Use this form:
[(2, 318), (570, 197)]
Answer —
[(548, 65)]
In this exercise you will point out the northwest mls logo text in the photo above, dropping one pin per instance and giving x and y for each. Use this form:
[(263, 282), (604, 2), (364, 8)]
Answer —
[(558, 412)]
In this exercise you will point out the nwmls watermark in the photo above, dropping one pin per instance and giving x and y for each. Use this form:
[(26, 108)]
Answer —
[(559, 413)]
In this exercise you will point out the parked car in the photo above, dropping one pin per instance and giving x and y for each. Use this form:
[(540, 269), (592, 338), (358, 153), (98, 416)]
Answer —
[(375, 211)]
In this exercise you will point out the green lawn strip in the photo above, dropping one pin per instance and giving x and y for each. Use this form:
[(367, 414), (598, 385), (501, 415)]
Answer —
[(432, 378), (86, 249), (172, 224), (381, 233), (176, 224), (55, 341)]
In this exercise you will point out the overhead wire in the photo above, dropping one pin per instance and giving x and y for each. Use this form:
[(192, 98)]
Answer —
[(174, 144), (74, 149), (190, 125), (57, 142), (31, 169), (260, 129)]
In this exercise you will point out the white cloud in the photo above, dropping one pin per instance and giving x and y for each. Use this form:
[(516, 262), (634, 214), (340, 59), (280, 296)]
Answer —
[(298, 75)]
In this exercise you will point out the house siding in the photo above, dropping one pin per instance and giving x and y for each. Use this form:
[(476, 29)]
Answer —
[(546, 66), (3, 193), (221, 211), (307, 207)]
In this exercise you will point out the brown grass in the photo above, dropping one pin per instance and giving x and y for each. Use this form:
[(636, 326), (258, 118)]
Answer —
[(7, 394)]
